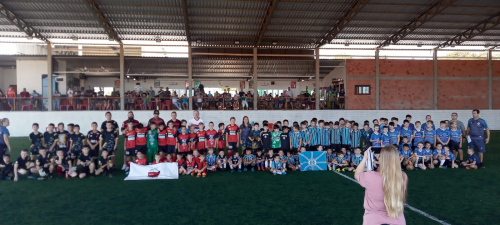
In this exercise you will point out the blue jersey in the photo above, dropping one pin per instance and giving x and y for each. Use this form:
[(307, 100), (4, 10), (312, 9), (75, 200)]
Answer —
[(376, 137), (329, 158), (276, 165), (327, 135), (386, 139), (473, 158), (347, 156), (339, 160), (420, 152), (345, 132), (335, 136), (313, 132), (356, 138), (418, 136), (443, 135), (435, 152), (428, 152), (305, 136), (449, 155), (397, 128), (394, 137), (357, 159), (320, 134), (295, 139), (291, 160), (366, 136), (477, 128), (412, 127), (406, 154), (248, 158), (211, 159), (456, 135), (429, 136), (406, 133)]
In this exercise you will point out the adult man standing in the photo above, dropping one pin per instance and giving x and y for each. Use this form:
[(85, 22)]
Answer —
[(108, 119), (289, 96), (195, 121), (475, 131), (156, 119), (25, 97), (174, 120), (88, 94), (4, 137), (11, 94)]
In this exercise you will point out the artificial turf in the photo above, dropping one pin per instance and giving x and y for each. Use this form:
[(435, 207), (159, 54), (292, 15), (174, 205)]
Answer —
[(457, 196)]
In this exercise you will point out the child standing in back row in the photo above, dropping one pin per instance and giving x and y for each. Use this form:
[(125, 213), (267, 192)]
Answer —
[(152, 142), (275, 138)]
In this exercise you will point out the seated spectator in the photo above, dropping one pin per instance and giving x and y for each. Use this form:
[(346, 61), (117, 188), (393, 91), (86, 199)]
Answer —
[(175, 101), (185, 103), (199, 100), (35, 100)]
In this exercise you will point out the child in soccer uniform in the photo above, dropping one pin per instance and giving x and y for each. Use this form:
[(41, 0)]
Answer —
[(406, 157), (283, 158), (6, 168), (326, 136), (152, 145), (355, 159), (255, 137), (276, 166), (456, 140), (306, 136), (77, 141), (141, 139), (355, 136), (130, 143), (443, 134), (336, 137), (188, 166), (37, 141), (221, 137), (169, 158), (93, 141), (105, 164), (385, 138), (85, 160), (109, 140), (366, 134), (249, 161), (162, 140), (183, 124), (430, 133), (221, 160), (329, 160), (50, 138), (275, 138), (23, 165), (449, 159), (62, 138), (345, 133), (438, 155), (472, 160), (183, 141), (265, 138), (340, 162), (375, 137), (393, 134), (421, 156), (418, 134), (141, 159), (291, 162), (314, 136), (63, 165), (171, 139), (192, 139), (260, 160), (44, 165), (285, 144), (201, 167), (158, 159), (428, 155), (406, 131), (211, 159), (232, 136), (201, 140), (295, 139), (180, 163), (211, 137), (347, 155), (235, 162)]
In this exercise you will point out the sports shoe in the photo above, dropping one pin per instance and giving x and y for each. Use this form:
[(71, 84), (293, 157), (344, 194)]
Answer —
[(110, 175), (41, 178), (203, 174), (284, 173), (126, 173), (274, 172), (258, 168), (331, 169), (8, 178), (232, 170), (338, 170), (253, 169), (31, 177), (245, 169), (124, 166), (214, 169), (127, 169), (239, 170), (199, 175), (354, 170), (443, 167), (343, 170), (467, 167), (74, 168)]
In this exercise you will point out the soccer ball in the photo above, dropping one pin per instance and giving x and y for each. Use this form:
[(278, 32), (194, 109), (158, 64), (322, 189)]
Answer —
[(410, 167)]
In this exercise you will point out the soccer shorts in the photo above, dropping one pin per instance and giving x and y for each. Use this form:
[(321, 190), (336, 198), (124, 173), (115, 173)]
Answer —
[(75, 153), (94, 152), (142, 148), (111, 151), (130, 152), (85, 170), (347, 147), (34, 150), (162, 148), (454, 145), (232, 146), (221, 145), (478, 143)]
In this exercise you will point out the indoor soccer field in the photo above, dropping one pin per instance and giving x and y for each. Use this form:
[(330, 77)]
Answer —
[(453, 196)]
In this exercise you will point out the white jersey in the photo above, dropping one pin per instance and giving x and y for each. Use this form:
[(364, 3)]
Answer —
[(195, 123)]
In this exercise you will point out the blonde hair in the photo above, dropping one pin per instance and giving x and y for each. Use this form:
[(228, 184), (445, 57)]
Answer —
[(393, 181)]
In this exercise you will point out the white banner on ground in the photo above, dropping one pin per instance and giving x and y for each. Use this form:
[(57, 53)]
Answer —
[(159, 171)]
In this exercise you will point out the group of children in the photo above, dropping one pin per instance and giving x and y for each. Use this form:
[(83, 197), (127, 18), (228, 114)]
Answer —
[(274, 147)]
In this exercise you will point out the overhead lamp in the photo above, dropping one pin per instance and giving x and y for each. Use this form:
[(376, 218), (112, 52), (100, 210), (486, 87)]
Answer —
[(312, 43), (198, 41), (128, 76), (275, 43), (75, 38), (158, 40), (29, 37), (452, 46), (135, 78), (236, 42), (347, 44), (419, 45)]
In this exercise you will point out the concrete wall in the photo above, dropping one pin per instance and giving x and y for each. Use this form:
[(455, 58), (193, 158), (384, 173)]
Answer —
[(7, 78), (408, 84), (20, 122), (29, 74)]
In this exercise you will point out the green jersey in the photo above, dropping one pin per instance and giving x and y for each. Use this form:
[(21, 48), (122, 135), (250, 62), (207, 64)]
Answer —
[(153, 139), (275, 139)]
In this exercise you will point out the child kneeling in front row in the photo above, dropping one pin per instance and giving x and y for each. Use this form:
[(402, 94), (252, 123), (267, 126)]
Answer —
[(472, 161), (277, 166), (340, 162)]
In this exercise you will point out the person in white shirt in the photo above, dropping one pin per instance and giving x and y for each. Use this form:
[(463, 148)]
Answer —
[(175, 101), (195, 121), (70, 96)]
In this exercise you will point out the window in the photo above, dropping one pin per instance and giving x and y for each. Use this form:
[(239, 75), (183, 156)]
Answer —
[(362, 89), (107, 90)]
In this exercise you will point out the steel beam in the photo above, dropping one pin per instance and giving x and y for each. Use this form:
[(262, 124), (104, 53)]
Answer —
[(316, 75), (342, 23), (190, 77), (269, 13), (418, 22), (490, 80), (103, 20), (122, 78), (255, 84), (377, 79), (435, 80), (49, 77), (476, 30), (19, 23), (186, 26)]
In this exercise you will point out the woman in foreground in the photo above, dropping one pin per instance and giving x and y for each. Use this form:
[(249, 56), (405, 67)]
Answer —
[(385, 192)]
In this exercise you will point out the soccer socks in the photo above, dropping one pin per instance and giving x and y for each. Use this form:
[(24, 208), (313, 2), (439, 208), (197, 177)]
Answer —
[(442, 162), (239, 166), (59, 171)]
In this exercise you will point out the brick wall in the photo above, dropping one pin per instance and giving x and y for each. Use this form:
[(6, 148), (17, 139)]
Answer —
[(397, 68), (463, 68), (354, 69)]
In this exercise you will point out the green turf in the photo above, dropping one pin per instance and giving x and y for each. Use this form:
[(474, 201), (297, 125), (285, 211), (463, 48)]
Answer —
[(457, 196)]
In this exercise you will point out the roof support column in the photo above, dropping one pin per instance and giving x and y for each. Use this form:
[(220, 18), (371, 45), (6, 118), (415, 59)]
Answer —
[(49, 76), (377, 79), (435, 80), (318, 88), (122, 78), (255, 89), (490, 80), (190, 77)]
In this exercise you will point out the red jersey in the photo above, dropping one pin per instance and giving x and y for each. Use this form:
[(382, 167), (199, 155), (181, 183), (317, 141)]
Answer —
[(191, 164), (141, 138), (162, 137), (169, 160), (183, 141), (171, 136), (142, 161), (201, 164), (163, 159), (10, 93), (125, 124), (130, 139), (211, 136), (232, 133), (180, 162), (154, 162), (192, 139), (200, 135)]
